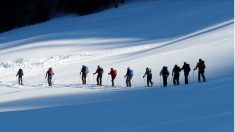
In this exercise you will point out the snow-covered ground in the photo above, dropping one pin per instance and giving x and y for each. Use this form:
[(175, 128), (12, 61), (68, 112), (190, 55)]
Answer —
[(139, 34)]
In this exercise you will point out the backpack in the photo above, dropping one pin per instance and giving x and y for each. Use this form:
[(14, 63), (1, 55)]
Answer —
[(149, 72), (131, 73), (165, 72), (187, 68), (203, 66), (83, 69), (20, 72), (101, 71), (114, 72), (50, 70)]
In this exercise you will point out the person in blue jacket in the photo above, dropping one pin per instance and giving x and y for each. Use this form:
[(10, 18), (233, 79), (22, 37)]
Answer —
[(128, 76)]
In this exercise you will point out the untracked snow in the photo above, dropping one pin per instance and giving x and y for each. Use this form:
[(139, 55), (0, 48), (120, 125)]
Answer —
[(138, 34)]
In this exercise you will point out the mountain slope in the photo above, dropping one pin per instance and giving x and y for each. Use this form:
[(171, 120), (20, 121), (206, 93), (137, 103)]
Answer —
[(138, 35)]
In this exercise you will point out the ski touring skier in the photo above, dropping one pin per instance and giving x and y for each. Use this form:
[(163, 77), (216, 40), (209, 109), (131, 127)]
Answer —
[(20, 76), (84, 72), (148, 73), (164, 73), (113, 73), (187, 69), (176, 74), (99, 72), (201, 70), (128, 76), (49, 75)]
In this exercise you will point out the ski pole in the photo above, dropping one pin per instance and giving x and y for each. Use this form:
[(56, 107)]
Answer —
[(193, 77), (108, 80), (52, 81), (80, 78), (168, 80), (93, 79), (88, 77), (189, 78), (132, 82), (160, 81), (17, 81), (45, 81), (144, 82), (172, 80)]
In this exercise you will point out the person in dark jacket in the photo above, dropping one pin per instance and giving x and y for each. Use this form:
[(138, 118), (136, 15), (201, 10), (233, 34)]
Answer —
[(148, 73), (100, 72), (113, 74), (20, 76), (176, 75), (186, 68), (201, 70), (128, 76), (49, 75), (164, 73), (84, 72)]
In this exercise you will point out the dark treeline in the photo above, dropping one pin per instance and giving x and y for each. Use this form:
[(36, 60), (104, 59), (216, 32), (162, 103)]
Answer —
[(18, 13)]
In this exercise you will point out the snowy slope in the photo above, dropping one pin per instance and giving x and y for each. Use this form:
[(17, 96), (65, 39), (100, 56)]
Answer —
[(139, 34), (198, 107)]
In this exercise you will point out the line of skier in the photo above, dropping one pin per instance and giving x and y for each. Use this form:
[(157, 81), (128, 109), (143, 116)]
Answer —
[(129, 74), (186, 68)]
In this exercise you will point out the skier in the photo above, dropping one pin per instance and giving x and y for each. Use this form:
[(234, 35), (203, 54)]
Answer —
[(113, 74), (176, 74), (128, 76), (201, 70), (164, 73), (20, 75), (49, 75), (84, 72), (187, 69), (100, 72), (148, 73)]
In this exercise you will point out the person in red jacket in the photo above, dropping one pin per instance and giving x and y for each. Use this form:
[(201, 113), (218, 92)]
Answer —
[(113, 74), (100, 72)]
